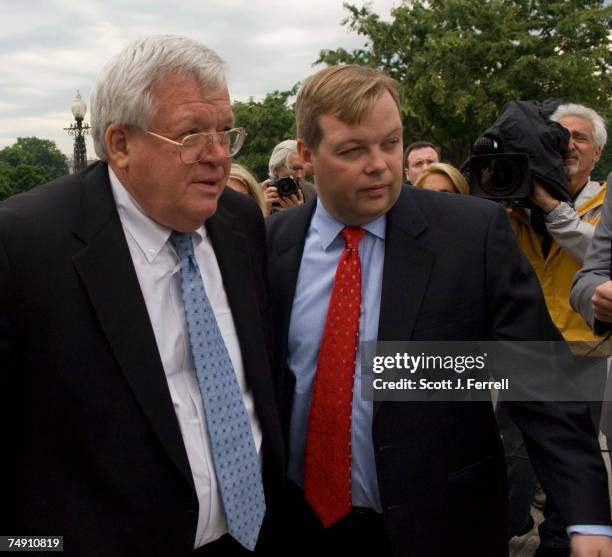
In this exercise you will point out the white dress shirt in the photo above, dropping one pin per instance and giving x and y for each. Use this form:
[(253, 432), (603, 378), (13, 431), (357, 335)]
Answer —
[(158, 270)]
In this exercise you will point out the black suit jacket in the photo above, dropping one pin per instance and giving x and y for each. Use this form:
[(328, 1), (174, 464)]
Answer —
[(452, 271), (96, 453)]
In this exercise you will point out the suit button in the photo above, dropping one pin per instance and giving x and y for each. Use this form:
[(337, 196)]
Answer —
[(191, 510)]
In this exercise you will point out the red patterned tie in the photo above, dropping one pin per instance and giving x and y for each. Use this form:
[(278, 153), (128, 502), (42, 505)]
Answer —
[(327, 465)]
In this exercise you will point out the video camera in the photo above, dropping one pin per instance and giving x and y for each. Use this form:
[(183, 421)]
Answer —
[(496, 175), (522, 145)]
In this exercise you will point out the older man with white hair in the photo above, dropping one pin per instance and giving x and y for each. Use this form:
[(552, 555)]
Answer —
[(135, 390), (285, 161)]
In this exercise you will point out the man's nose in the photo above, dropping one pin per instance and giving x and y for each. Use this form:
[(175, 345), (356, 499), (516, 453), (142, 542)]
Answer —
[(571, 146), (216, 150), (376, 162)]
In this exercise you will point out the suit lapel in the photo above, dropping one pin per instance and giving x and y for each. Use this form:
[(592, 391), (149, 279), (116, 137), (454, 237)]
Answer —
[(106, 269), (406, 271)]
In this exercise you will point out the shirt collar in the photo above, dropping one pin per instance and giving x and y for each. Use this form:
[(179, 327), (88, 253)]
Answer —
[(590, 189), (329, 228), (149, 235)]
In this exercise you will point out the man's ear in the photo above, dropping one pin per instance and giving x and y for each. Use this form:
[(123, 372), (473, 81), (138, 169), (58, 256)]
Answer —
[(116, 140), (304, 151), (597, 156)]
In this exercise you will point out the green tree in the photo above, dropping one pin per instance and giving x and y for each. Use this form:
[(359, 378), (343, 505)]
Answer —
[(6, 177), (459, 61), (29, 162), (267, 123), (604, 166)]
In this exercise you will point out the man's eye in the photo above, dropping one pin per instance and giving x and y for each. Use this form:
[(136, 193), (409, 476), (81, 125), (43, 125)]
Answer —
[(185, 134), (350, 152), (392, 142)]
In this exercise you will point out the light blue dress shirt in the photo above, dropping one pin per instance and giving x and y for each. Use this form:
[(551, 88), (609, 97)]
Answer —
[(322, 250)]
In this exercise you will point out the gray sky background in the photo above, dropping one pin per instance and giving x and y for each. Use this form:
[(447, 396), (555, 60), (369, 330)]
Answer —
[(51, 48)]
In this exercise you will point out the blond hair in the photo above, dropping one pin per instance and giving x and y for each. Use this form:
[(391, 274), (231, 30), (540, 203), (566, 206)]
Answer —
[(348, 92), (457, 179), (240, 173)]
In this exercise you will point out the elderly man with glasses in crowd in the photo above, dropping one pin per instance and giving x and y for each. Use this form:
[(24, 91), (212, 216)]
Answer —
[(284, 162), (135, 386)]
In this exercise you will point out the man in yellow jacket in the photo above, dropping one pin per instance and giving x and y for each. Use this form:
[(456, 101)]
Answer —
[(556, 257)]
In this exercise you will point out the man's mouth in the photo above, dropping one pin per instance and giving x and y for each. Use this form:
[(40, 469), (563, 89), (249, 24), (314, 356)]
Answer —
[(571, 156), (207, 182), (375, 188)]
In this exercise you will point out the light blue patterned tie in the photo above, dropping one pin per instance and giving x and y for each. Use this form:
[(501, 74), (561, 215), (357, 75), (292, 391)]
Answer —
[(234, 454)]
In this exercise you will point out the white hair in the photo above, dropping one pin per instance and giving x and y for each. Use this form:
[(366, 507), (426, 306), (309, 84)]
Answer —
[(600, 135), (122, 92), (280, 155)]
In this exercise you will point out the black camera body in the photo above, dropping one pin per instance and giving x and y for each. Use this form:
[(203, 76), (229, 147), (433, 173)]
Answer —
[(521, 146), (500, 176), (286, 186)]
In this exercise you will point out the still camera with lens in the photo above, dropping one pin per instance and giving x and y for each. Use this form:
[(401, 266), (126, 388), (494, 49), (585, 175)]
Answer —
[(286, 186)]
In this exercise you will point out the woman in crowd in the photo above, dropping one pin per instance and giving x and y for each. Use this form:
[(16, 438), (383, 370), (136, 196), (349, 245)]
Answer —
[(241, 180), (443, 177)]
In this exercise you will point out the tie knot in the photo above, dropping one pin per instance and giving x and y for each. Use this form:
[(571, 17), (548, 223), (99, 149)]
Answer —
[(352, 236), (182, 244)]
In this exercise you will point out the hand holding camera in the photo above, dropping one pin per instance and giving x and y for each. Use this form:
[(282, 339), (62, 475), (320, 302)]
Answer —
[(282, 193)]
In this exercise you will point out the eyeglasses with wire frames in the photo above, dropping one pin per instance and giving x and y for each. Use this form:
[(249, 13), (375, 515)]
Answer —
[(196, 146)]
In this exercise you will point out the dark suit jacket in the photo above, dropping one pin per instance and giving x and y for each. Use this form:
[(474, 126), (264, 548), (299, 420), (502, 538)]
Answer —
[(452, 271), (309, 190), (96, 453)]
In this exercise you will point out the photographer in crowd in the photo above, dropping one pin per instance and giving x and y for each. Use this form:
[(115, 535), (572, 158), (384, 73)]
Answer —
[(556, 253), (286, 186)]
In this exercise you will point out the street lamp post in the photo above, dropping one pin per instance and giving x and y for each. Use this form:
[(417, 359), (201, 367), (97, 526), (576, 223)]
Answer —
[(79, 130)]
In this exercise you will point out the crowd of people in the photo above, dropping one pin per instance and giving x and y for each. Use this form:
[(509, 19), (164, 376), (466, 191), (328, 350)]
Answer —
[(182, 365)]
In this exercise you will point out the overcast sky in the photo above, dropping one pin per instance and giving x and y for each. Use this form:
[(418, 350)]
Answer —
[(51, 48)]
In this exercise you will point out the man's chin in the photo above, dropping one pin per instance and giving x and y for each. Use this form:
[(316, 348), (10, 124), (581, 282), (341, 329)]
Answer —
[(571, 169)]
